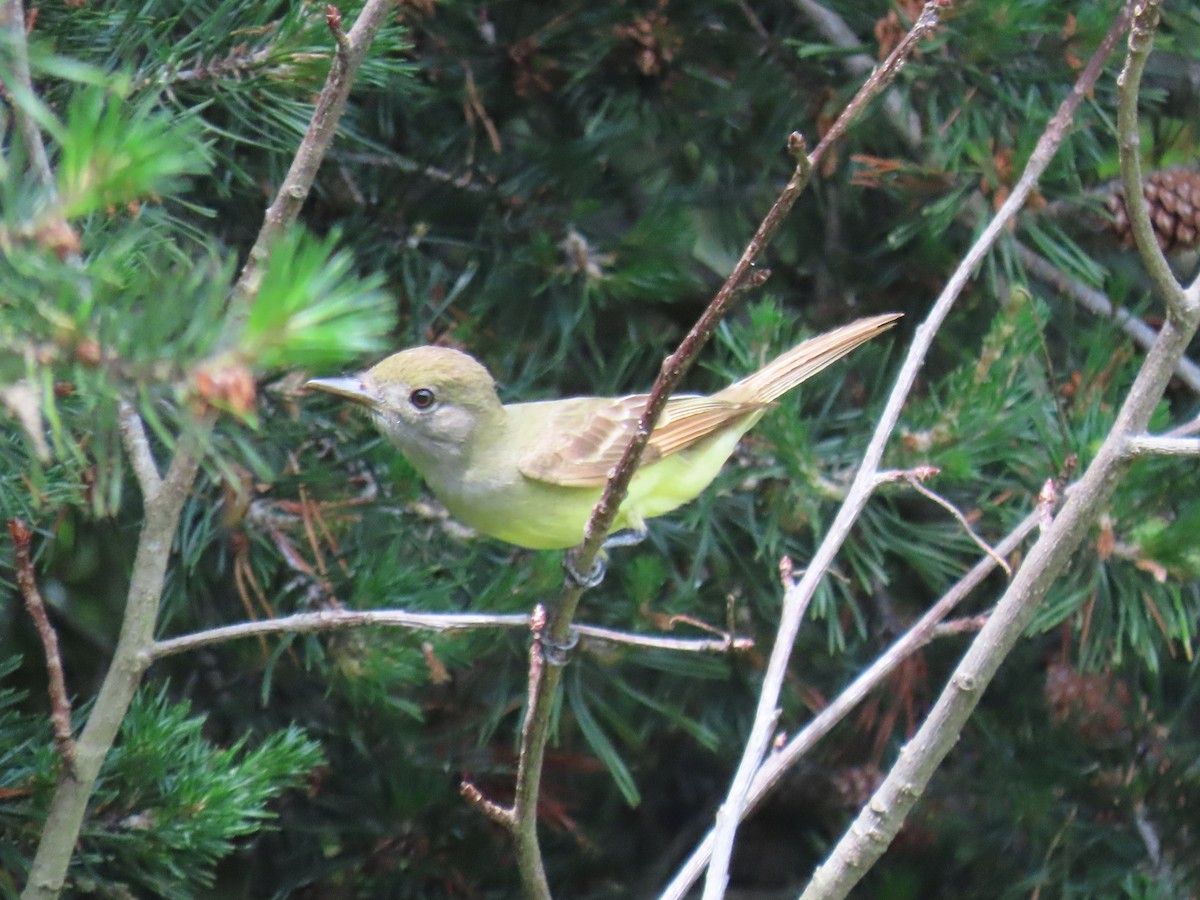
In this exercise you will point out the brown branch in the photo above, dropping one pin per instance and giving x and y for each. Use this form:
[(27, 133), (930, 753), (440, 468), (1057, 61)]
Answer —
[(60, 703), (340, 619), (881, 76), (12, 15), (882, 817), (865, 480), (776, 765), (283, 211), (164, 504), (533, 743)]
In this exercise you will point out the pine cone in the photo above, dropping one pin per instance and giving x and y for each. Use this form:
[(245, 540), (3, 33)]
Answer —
[(1174, 199)]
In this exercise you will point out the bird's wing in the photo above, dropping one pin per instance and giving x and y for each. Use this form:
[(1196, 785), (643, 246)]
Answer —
[(583, 453)]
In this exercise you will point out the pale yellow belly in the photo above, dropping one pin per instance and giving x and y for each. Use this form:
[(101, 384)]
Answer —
[(544, 516)]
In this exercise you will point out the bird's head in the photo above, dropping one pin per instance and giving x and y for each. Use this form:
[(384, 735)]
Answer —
[(429, 401)]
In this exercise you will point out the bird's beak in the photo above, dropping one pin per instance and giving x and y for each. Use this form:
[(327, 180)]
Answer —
[(351, 389)]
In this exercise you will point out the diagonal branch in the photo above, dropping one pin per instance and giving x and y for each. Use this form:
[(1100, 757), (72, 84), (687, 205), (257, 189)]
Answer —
[(351, 51), (880, 820), (339, 619), (538, 714), (865, 479), (776, 765), (137, 446), (12, 15), (1146, 15), (164, 497), (60, 703)]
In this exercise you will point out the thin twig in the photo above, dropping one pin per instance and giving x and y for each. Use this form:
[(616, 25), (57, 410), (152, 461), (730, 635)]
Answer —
[(864, 481), (339, 619), (1152, 445), (60, 703), (965, 625), (1187, 428), (724, 644), (776, 765), (1095, 301), (834, 29), (501, 815), (884, 814), (137, 447), (296, 185), (945, 504), (13, 13)]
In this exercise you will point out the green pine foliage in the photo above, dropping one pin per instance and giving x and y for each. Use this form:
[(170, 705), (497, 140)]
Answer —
[(169, 803), (560, 190)]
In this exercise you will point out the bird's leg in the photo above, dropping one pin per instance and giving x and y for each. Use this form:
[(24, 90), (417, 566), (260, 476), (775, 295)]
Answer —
[(626, 537), (585, 580), (555, 653)]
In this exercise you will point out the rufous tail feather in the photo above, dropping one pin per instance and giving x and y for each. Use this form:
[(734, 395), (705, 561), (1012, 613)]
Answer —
[(804, 360)]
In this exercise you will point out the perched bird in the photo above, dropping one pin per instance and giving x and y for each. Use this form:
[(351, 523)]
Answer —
[(530, 473)]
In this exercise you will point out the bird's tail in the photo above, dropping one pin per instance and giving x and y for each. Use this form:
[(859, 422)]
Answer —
[(804, 360)]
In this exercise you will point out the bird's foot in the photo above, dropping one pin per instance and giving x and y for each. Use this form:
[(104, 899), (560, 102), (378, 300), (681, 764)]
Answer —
[(626, 537), (585, 580), (556, 653)]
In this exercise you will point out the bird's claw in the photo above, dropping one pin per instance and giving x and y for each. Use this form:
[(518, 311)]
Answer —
[(554, 652), (626, 537), (589, 579)]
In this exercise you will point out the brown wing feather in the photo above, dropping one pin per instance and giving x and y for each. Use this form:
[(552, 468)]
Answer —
[(587, 457), (583, 453)]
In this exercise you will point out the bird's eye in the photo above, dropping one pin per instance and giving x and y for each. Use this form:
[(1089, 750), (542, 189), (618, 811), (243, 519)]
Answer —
[(421, 398)]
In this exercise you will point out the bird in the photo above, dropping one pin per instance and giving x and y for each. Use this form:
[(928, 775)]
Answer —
[(529, 474)]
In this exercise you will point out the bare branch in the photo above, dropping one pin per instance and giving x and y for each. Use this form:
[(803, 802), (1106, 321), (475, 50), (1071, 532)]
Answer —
[(335, 620), (339, 619), (882, 75), (965, 625), (1146, 15), (137, 446), (777, 764), (723, 644), (795, 605), (1152, 445), (501, 815), (1185, 429), (351, 51), (916, 485), (673, 368), (529, 763), (12, 15), (838, 33), (882, 817), (60, 703), (1093, 300)]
